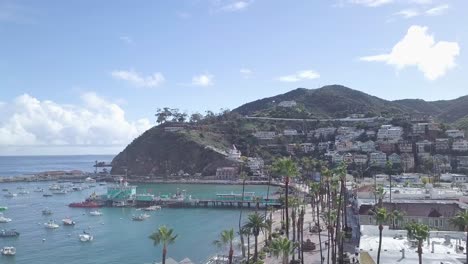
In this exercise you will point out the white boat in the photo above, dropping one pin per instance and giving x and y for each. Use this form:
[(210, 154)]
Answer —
[(4, 219), (8, 251), (85, 237), (95, 213), (68, 222), (89, 180), (10, 195), (22, 192), (51, 225), (60, 191), (152, 208), (54, 187), (38, 190)]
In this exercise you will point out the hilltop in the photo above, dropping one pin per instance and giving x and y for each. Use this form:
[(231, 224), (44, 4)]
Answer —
[(201, 146)]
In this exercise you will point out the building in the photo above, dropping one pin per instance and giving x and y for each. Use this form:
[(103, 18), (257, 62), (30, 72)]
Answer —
[(460, 145), (307, 147), (323, 146), (455, 178), (405, 146), (389, 133), (343, 146), (255, 165), (424, 146), (368, 146), (324, 132), (290, 132), (442, 144), (287, 104), (455, 133), (441, 163), (234, 153), (378, 159), (386, 146), (337, 158), (348, 158), (226, 173), (462, 162), (407, 161), (394, 158), (360, 159), (291, 148), (265, 135), (420, 128)]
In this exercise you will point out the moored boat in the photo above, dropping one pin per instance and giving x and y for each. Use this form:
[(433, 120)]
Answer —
[(85, 204), (10, 195), (85, 237), (8, 251), (51, 225), (9, 233), (68, 222), (46, 212), (47, 195), (95, 213), (152, 208), (4, 219), (38, 189)]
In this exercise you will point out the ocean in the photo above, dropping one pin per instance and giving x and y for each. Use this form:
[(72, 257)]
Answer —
[(117, 239)]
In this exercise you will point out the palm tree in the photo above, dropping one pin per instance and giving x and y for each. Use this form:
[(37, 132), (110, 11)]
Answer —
[(282, 247), (379, 194), (243, 176), (245, 231), (460, 220), (225, 238), (315, 189), (381, 217), (256, 223), (165, 237), (419, 232), (395, 216), (287, 168)]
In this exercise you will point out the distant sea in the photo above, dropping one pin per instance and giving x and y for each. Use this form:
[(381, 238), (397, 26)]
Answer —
[(23, 165), (117, 239)]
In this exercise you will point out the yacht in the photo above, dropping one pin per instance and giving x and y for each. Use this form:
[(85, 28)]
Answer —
[(85, 237), (68, 222), (95, 213), (10, 195), (54, 187), (9, 233), (152, 208), (8, 251), (51, 225), (4, 219)]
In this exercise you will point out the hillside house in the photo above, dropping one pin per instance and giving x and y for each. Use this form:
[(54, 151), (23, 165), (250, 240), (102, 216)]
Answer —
[(462, 162), (360, 159), (442, 144), (455, 133), (460, 145), (405, 146), (324, 132), (368, 146), (378, 159), (394, 158), (226, 173), (407, 161), (386, 146), (307, 147), (343, 146), (389, 133), (424, 146), (290, 132), (265, 135), (420, 128)]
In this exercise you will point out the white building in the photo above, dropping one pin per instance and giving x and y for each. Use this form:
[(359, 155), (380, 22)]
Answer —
[(324, 132), (460, 145), (394, 158), (378, 159), (323, 146), (337, 158), (442, 144), (265, 134), (423, 146), (234, 153), (360, 159), (455, 178), (368, 146), (343, 146), (389, 133), (455, 133), (307, 147), (287, 104), (420, 128), (290, 132)]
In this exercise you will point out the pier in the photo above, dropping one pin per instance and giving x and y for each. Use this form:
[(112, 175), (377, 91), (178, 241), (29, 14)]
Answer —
[(214, 203)]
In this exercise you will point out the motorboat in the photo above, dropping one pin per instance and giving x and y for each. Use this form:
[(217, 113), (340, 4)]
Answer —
[(95, 213), (4, 219), (38, 190), (10, 195), (85, 237), (51, 225), (23, 192), (68, 222), (20, 188), (85, 204), (54, 187), (9, 233), (90, 180), (138, 218), (47, 195), (8, 251), (46, 212), (102, 184), (152, 208), (60, 191)]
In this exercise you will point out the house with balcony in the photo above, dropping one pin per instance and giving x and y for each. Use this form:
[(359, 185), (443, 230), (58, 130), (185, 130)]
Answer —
[(389, 133), (460, 145), (420, 128), (343, 146), (455, 133), (368, 146), (394, 158), (424, 146), (360, 159), (378, 159), (442, 144), (386, 146), (405, 146)]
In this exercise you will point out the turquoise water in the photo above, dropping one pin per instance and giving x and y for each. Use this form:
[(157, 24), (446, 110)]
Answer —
[(117, 239)]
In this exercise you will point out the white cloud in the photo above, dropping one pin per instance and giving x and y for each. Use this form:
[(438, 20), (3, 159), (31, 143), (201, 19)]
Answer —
[(246, 73), (137, 79), (437, 11), (183, 15), (418, 48), (408, 13), (27, 121), (235, 6), (371, 3), (126, 39), (203, 80), (300, 76)]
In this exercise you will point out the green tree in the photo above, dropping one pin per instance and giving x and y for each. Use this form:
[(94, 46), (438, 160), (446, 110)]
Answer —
[(420, 232), (287, 168), (165, 237), (282, 247), (395, 216), (381, 216), (460, 220), (256, 224), (225, 238)]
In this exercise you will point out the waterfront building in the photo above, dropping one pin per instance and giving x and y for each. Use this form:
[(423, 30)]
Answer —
[(453, 178), (227, 173), (460, 145), (121, 194), (455, 133)]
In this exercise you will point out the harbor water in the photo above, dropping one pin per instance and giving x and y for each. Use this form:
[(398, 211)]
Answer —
[(117, 239)]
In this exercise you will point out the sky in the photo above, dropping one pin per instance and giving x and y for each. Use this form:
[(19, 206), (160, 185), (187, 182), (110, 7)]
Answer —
[(86, 77)]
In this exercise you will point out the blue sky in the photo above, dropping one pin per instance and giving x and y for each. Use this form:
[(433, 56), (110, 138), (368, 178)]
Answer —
[(63, 62)]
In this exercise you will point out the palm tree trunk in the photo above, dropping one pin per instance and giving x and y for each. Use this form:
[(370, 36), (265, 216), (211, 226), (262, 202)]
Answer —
[(420, 251), (380, 243), (319, 233), (164, 255), (240, 220), (287, 206), (231, 252), (466, 244), (248, 248), (293, 218), (285, 258), (256, 249)]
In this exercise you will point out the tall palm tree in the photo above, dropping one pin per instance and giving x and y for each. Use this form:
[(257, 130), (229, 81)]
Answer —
[(225, 238), (315, 190), (245, 231), (379, 194), (420, 232), (460, 220), (244, 177), (395, 216), (287, 168), (381, 216), (282, 247), (165, 237), (256, 224)]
